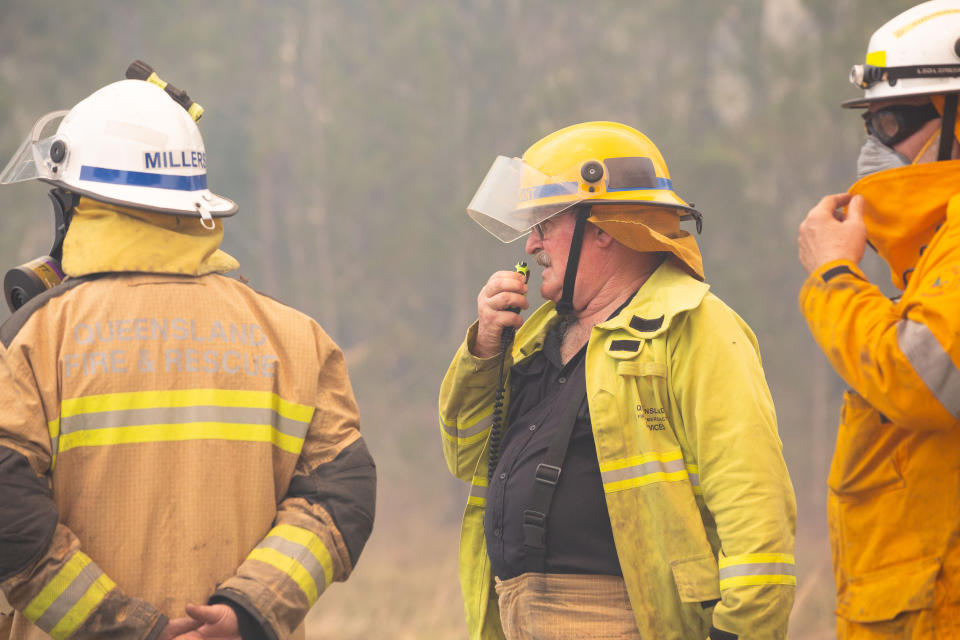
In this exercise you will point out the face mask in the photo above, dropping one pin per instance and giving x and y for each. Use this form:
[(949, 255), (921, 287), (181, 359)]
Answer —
[(876, 156)]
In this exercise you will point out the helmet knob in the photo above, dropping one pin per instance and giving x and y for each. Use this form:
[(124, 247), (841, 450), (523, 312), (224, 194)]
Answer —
[(58, 151), (591, 171)]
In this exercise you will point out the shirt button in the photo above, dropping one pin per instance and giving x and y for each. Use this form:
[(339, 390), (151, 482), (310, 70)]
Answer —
[(533, 427), (561, 379), (503, 476), (497, 532)]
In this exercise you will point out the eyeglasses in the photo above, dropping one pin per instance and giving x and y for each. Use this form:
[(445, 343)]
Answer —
[(896, 123)]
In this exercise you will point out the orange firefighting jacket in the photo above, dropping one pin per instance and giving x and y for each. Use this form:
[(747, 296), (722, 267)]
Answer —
[(167, 439), (894, 499)]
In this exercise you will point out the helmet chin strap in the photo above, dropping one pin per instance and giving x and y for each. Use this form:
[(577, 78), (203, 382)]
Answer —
[(565, 306), (946, 126)]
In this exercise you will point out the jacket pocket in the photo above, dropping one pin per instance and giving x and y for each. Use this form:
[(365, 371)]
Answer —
[(864, 459), (697, 578), (882, 595)]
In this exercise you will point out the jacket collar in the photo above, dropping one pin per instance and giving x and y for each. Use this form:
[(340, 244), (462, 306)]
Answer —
[(667, 293)]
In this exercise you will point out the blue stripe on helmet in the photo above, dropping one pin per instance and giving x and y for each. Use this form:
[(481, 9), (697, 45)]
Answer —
[(662, 183), (548, 191), (143, 179)]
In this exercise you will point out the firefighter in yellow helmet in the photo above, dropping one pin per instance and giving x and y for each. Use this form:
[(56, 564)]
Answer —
[(894, 485), (626, 474), (180, 455)]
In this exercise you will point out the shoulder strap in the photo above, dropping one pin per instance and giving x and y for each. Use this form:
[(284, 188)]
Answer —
[(545, 484)]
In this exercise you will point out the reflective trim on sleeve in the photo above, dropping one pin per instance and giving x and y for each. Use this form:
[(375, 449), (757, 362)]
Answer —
[(190, 414), (67, 600), (931, 362), (637, 471), (299, 554), (694, 472), (53, 427), (478, 492), (751, 569), (469, 432)]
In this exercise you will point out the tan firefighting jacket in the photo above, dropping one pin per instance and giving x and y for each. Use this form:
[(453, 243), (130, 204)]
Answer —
[(894, 499), (700, 501), (167, 439)]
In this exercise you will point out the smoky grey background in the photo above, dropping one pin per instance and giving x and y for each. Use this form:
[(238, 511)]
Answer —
[(353, 134)]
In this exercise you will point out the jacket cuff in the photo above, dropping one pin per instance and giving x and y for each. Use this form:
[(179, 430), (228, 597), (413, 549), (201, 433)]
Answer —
[(720, 634), (158, 627), (252, 624)]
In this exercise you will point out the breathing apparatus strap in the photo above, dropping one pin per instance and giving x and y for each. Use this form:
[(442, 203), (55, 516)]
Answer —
[(545, 484), (565, 306), (947, 124), (63, 204)]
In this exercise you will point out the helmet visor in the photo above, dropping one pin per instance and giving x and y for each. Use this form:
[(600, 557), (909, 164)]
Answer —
[(32, 160), (514, 197)]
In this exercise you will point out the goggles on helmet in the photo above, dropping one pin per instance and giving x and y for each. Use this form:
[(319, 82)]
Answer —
[(893, 124)]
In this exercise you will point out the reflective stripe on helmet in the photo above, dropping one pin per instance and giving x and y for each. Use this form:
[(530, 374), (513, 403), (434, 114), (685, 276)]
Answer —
[(931, 362), (143, 179)]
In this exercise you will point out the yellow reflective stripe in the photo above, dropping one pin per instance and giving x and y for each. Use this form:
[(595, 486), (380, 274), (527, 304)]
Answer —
[(68, 598), (186, 398), (84, 607), (694, 472), (748, 558), (180, 432), (633, 461), (285, 565), (469, 432), (311, 542), (299, 554), (478, 492), (641, 470), (53, 428), (753, 569)]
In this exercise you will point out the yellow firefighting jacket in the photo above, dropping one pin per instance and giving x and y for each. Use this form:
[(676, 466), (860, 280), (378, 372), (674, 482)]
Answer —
[(894, 499), (700, 502), (167, 439)]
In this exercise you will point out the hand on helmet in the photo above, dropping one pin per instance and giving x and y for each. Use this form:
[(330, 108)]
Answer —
[(504, 291), (826, 235)]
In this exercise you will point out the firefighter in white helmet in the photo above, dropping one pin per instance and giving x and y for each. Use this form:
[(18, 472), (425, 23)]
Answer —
[(894, 485), (179, 454), (627, 480)]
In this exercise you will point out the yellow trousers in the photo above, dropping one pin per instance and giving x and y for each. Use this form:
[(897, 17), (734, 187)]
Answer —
[(556, 606)]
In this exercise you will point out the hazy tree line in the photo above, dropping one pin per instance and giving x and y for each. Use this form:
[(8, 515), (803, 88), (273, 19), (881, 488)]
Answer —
[(352, 134)]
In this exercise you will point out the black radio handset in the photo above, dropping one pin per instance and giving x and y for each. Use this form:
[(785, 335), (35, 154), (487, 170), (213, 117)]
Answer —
[(496, 420)]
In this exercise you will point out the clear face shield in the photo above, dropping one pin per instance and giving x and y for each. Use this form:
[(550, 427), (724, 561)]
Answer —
[(514, 197), (33, 160)]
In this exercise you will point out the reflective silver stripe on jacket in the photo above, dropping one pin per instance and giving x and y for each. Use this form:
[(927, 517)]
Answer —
[(644, 469), (931, 362), (478, 427)]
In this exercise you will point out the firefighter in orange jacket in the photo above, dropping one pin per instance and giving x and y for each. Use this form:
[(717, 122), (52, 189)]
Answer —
[(170, 439), (894, 499)]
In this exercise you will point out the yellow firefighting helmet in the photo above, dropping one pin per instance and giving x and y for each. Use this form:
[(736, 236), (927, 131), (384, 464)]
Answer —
[(595, 162), (614, 168)]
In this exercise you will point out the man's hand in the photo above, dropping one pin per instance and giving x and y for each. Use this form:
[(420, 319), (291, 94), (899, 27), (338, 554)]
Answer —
[(178, 626), (826, 236), (504, 289), (216, 621)]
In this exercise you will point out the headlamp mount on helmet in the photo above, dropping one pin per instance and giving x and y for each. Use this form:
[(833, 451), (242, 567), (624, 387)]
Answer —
[(866, 75)]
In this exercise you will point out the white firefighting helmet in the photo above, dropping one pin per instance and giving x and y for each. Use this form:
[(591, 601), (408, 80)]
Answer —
[(917, 53), (128, 143)]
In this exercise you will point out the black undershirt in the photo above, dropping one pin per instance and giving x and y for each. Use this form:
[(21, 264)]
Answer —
[(579, 537)]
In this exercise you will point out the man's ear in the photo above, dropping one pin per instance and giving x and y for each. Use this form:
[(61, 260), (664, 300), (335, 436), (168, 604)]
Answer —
[(603, 238)]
